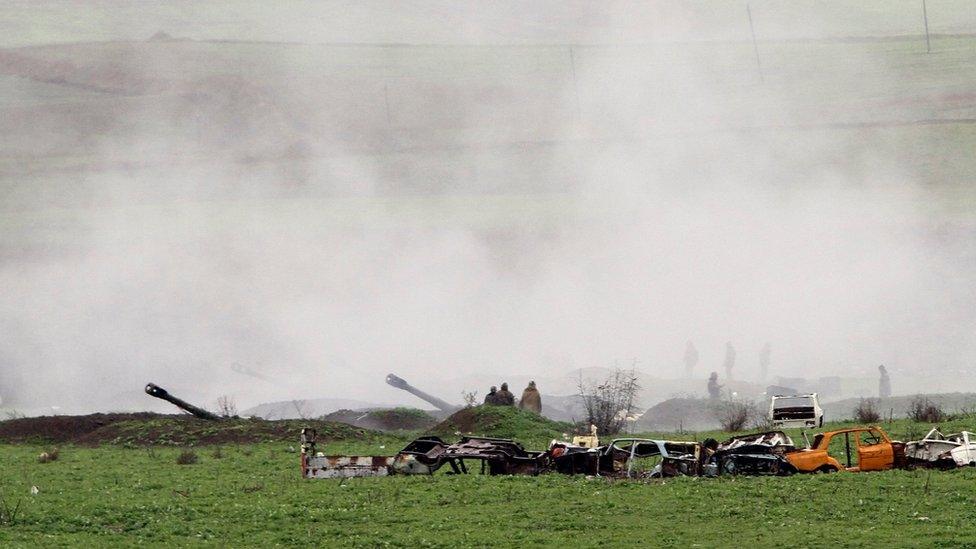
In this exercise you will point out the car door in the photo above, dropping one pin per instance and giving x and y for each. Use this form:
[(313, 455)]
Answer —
[(874, 452)]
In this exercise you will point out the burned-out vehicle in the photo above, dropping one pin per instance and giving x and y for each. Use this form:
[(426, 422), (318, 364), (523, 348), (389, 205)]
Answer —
[(795, 411), (628, 458), (318, 465), (496, 456), (854, 449), (752, 454), (942, 451)]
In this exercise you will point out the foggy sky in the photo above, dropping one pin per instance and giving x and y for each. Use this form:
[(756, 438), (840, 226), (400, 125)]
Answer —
[(326, 215)]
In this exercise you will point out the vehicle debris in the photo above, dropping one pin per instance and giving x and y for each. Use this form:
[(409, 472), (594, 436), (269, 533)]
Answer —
[(497, 456), (752, 454), (854, 449), (943, 451), (795, 411), (156, 391), (318, 465)]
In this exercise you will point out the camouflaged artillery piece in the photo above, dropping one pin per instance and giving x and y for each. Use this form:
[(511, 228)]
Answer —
[(156, 391), (443, 406)]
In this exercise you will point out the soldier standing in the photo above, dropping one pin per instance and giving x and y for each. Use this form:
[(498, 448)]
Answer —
[(884, 384), (729, 362), (492, 397), (714, 389), (505, 397), (531, 399), (691, 358)]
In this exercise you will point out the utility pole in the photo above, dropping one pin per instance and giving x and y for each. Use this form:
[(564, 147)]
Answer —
[(572, 67), (925, 17), (755, 44)]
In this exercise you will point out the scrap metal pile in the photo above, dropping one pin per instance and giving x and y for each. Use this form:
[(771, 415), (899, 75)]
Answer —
[(767, 453)]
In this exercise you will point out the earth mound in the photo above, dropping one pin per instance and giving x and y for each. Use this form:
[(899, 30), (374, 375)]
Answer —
[(502, 422), (387, 419), (679, 414), (178, 430)]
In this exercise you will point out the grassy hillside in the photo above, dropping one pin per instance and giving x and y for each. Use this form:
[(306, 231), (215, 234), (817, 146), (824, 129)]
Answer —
[(252, 495)]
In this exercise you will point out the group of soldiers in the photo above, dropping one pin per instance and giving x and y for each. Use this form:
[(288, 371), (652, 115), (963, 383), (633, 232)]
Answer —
[(531, 399)]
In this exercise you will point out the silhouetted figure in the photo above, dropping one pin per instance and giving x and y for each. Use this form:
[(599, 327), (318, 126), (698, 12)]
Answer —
[(884, 384), (691, 358), (764, 359), (504, 396), (531, 399), (714, 389), (492, 397), (729, 362)]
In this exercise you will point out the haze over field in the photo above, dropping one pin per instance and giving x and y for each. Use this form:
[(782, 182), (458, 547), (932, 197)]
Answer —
[(539, 187)]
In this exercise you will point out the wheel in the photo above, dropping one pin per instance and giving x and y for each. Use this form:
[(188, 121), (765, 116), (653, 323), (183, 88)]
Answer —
[(730, 467), (827, 469)]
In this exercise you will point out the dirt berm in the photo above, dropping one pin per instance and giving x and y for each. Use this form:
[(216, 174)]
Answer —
[(502, 422), (146, 429), (384, 419)]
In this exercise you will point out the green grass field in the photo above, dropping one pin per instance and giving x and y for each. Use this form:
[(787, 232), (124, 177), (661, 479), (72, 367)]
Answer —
[(252, 495)]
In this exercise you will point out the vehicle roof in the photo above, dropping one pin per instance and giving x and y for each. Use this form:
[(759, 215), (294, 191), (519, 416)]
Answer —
[(854, 429)]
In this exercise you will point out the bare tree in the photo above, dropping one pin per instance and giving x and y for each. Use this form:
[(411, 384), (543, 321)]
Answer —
[(734, 415), (301, 407), (226, 407), (470, 398), (608, 404)]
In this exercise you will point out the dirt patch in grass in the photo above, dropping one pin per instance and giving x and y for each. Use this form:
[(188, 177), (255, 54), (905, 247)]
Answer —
[(147, 429)]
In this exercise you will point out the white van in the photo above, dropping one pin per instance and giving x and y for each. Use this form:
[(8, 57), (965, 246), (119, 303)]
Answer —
[(795, 411)]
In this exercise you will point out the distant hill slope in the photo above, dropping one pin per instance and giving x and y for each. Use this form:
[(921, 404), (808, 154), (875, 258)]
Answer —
[(898, 405)]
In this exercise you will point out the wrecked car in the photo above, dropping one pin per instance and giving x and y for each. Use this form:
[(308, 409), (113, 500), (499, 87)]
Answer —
[(795, 411), (752, 454), (497, 456), (943, 451), (318, 465), (628, 458), (854, 449)]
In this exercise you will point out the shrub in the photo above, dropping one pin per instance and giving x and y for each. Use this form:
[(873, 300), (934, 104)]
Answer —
[(924, 410), (608, 404), (866, 411), (733, 415), (186, 457), (8, 511)]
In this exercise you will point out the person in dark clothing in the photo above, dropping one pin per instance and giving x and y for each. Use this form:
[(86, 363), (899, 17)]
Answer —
[(691, 358), (714, 389), (492, 397), (884, 384), (505, 397)]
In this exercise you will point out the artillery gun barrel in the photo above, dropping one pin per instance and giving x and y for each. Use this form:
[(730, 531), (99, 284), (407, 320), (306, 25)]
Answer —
[(401, 383), (155, 390)]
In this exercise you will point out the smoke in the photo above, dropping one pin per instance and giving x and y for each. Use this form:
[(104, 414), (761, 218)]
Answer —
[(601, 191)]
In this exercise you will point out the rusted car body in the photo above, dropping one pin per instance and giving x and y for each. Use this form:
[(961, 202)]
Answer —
[(496, 456), (627, 458), (855, 449), (318, 465), (943, 451), (752, 454)]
